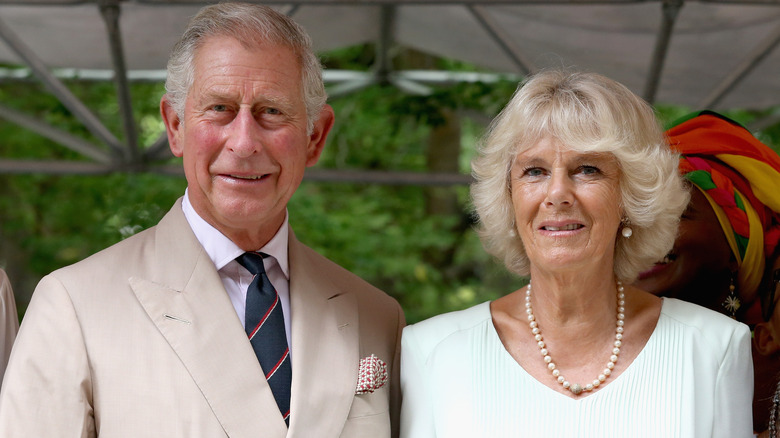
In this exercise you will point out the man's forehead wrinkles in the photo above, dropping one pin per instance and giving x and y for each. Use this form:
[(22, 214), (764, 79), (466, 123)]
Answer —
[(241, 92), (220, 68)]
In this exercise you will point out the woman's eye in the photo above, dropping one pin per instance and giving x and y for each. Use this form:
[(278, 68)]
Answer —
[(534, 171), (688, 214), (590, 170)]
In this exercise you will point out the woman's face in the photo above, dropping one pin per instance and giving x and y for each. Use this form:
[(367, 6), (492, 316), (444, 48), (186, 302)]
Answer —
[(566, 205), (699, 267)]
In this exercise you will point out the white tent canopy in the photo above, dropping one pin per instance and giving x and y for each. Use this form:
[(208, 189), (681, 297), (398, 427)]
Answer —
[(703, 54)]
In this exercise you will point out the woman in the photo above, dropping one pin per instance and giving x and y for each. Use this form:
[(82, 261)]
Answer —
[(766, 348), (729, 228), (731, 224), (576, 189)]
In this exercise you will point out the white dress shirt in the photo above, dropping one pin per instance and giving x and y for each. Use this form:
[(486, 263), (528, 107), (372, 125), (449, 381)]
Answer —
[(223, 252)]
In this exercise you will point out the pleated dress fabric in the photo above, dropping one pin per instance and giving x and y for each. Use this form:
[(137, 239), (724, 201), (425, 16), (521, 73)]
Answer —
[(692, 379)]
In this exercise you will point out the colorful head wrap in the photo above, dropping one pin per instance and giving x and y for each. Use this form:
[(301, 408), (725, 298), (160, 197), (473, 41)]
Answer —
[(740, 177)]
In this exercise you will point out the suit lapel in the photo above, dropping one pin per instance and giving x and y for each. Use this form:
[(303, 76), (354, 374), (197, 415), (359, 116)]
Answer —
[(188, 304), (324, 347)]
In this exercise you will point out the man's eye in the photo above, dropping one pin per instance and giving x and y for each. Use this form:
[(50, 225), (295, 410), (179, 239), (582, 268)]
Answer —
[(219, 108), (272, 111)]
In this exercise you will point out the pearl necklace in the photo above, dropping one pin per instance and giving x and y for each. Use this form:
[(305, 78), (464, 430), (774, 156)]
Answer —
[(576, 388)]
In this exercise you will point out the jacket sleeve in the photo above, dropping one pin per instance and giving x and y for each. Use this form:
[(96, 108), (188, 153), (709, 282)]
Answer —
[(416, 410), (734, 389), (47, 390)]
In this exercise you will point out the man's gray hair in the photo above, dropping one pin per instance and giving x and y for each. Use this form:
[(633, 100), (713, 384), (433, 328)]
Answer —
[(252, 25)]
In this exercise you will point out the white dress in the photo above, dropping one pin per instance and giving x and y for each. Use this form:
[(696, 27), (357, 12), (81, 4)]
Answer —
[(694, 378)]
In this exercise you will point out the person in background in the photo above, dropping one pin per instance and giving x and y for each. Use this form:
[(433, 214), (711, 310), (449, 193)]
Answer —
[(576, 187), (766, 354), (217, 322), (9, 321), (729, 228), (731, 223)]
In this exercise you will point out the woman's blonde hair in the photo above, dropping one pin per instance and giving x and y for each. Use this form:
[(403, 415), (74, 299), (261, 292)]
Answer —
[(586, 112)]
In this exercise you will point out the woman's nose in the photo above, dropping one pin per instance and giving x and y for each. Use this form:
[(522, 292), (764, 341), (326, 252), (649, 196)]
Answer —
[(560, 191)]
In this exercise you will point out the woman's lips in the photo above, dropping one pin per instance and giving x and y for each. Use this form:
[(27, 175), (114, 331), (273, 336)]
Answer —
[(658, 267), (568, 227)]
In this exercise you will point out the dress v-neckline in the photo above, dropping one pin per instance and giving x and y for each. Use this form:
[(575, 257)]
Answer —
[(640, 357)]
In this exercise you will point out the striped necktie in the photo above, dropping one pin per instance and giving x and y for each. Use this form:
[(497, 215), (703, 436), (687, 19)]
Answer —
[(264, 324)]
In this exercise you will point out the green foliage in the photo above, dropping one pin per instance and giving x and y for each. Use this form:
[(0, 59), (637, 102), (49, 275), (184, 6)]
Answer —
[(382, 234), (370, 133), (430, 259), (50, 221), (385, 234), (482, 97), (356, 58)]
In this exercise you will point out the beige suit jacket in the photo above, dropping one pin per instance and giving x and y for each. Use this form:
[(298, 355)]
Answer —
[(141, 340)]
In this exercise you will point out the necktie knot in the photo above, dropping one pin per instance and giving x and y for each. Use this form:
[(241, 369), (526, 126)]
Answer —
[(252, 261)]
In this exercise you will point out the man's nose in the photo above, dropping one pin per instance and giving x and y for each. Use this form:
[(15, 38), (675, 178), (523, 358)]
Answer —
[(244, 134)]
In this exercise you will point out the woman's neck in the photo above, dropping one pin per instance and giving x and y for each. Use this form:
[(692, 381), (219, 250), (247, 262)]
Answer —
[(573, 298)]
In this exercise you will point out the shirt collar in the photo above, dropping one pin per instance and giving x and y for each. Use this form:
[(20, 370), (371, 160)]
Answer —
[(221, 250)]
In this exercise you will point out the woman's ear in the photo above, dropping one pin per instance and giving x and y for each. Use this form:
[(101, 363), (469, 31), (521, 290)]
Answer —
[(763, 339), (733, 267)]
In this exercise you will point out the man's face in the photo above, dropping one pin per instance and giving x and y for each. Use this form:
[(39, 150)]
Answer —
[(243, 137)]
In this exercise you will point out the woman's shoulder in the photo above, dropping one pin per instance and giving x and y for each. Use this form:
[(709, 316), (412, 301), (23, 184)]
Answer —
[(430, 332), (696, 315), (706, 323)]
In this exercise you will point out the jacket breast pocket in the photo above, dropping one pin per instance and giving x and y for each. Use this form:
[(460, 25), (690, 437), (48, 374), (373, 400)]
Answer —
[(369, 416), (370, 404)]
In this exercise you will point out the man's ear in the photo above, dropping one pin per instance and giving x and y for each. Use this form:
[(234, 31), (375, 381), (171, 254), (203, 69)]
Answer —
[(319, 134), (764, 340), (172, 126)]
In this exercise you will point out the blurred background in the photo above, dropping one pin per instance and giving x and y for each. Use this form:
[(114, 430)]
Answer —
[(84, 161)]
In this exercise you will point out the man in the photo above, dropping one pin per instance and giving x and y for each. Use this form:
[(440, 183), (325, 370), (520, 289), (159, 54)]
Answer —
[(150, 337)]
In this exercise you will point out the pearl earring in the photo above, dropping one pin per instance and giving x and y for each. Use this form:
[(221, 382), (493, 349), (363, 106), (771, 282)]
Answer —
[(626, 230)]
